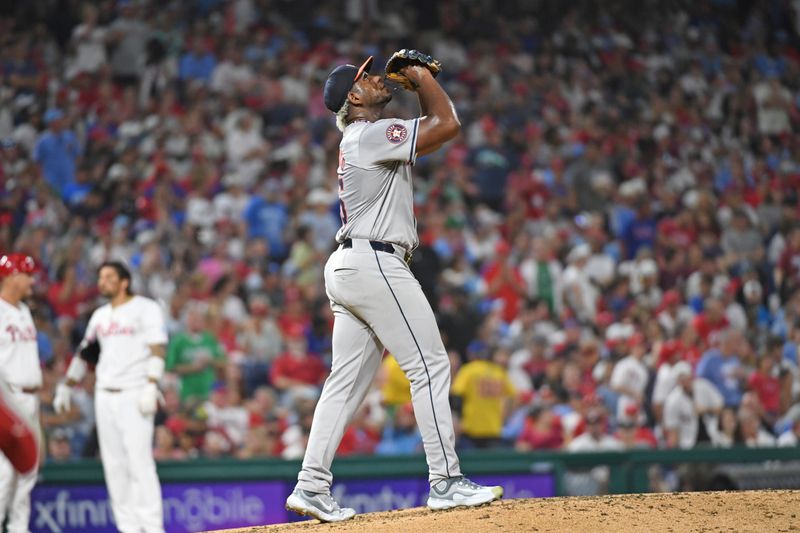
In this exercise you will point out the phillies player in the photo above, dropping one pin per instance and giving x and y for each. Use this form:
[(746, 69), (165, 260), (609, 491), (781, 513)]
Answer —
[(22, 376), (376, 300), (130, 334)]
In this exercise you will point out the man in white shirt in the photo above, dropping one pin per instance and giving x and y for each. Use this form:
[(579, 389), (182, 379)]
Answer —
[(232, 76), (690, 400), (671, 353), (21, 376), (542, 275), (753, 434), (246, 149), (630, 376), (595, 438), (128, 335), (579, 292)]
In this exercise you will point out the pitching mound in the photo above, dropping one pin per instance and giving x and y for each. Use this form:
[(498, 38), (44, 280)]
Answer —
[(774, 511)]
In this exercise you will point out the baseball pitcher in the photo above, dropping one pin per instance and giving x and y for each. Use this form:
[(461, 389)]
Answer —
[(376, 301), (21, 376), (125, 338)]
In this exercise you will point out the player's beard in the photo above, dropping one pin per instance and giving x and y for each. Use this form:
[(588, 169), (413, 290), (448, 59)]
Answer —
[(108, 293), (386, 97)]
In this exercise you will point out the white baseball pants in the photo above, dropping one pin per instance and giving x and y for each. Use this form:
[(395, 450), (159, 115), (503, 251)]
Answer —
[(378, 303), (126, 449), (15, 488)]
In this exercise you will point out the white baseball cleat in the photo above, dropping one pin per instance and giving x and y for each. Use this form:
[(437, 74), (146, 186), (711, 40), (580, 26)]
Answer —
[(461, 492), (321, 506)]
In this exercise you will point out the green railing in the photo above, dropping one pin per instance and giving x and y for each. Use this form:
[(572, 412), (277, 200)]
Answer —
[(628, 470)]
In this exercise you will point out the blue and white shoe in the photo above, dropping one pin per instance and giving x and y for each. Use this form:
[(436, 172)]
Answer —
[(320, 506), (461, 492)]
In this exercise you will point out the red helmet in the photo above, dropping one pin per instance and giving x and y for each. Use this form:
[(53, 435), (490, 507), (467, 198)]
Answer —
[(16, 264)]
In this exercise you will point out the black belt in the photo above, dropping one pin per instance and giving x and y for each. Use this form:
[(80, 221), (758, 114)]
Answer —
[(376, 245), (25, 390)]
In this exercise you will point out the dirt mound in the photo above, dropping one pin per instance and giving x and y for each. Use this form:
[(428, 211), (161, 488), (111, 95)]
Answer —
[(757, 511)]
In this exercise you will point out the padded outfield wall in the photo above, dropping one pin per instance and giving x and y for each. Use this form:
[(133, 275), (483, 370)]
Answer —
[(217, 494)]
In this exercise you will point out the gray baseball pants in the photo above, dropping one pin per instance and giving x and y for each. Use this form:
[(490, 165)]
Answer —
[(378, 303)]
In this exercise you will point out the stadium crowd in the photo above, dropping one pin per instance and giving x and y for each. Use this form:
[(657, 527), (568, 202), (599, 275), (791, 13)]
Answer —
[(612, 244)]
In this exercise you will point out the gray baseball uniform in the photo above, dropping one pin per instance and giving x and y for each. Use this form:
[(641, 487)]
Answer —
[(377, 302)]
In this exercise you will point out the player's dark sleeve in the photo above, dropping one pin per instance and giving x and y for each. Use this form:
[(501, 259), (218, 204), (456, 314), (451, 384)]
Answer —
[(456, 404), (89, 351)]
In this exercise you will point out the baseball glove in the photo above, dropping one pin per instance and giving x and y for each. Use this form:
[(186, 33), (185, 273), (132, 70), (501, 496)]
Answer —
[(403, 58), (90, 351)]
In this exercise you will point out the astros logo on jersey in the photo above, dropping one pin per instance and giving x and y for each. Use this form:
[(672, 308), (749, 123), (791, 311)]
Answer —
[(396, 133)]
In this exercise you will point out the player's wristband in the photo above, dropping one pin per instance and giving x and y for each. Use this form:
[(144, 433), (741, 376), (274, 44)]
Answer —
[(76, 370), (155, 367)]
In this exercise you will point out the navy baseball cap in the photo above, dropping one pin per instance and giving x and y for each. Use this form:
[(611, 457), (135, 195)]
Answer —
[(340, 81)]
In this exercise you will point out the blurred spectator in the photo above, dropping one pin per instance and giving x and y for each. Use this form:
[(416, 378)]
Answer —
[(232, 75), (165, 446), (195, 355), (197, 63), (88, 44), (751, 434), (492, 162), (259, 442), (631, 432), (319, 219), (226, 419), (362, 435), (528, 364), (68, 296), (484, 394), (395, 388), (400, 436), (726, 434), (261, 339), (690, 410), (767, 385), (742, 242), (303, 263), (630, 376), (58, 447), (57, 151), (790, 437), (722, 367), (504, 282), (669, 355), (774, 103), (542, 430), (296, 371), (267, 218), (20, 72), (580, 295), (458, 320), (596, 437), (542, 275), (295, 438), (246, 150), (641, 231), (128, 35)]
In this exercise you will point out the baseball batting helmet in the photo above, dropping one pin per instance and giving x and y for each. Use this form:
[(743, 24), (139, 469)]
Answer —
[(11, 264)]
